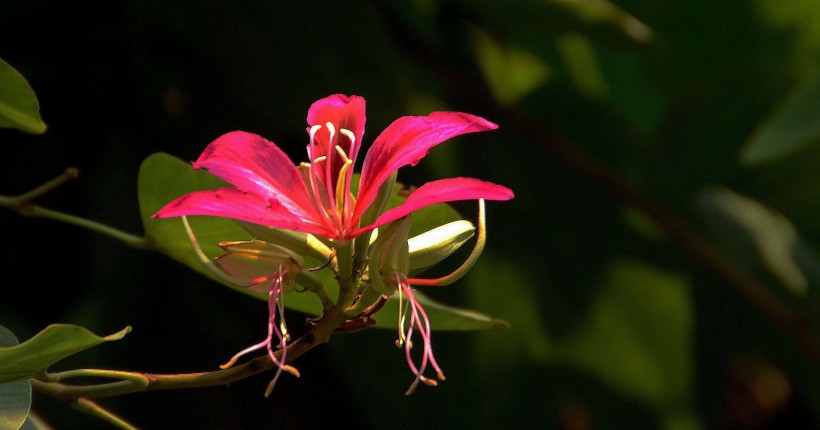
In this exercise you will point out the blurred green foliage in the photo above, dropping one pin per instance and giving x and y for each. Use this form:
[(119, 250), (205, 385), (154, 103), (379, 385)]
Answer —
[(613, 322)]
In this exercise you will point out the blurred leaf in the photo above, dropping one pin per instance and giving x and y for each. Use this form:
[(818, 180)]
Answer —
[(740, 221), (639, 338), (163, 178), (558, 16), (15, 397), (606, 11), (498, 286), (800, 19), (793, 125), (582, 64), (52, 344), (510, 71), (18, 105)]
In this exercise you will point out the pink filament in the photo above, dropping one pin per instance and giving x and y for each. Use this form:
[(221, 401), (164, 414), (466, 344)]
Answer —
[(418, 317), (274, 303)]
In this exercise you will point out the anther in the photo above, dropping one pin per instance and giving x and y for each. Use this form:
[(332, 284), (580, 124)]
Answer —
[(342, 153), (313, 131), (331, 130), (349, 134), (428, 381)]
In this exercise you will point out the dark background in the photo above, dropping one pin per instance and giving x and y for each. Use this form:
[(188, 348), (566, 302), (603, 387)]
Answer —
[(613, 325)]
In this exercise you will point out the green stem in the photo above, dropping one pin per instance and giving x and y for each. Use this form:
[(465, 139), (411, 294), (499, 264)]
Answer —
[(315, 286), (320, 333), (91, 408), (22, 205), (138, 242), (137, 378), (344, 261)]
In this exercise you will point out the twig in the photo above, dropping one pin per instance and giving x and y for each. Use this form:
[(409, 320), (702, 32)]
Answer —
[(22, 204)]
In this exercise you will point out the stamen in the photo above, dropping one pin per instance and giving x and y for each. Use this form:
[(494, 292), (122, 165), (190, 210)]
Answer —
[(313, 131), (330, 129), (341, 188), (342, 153), (418, 318), (349, 199), (348, 134), (333, 201)]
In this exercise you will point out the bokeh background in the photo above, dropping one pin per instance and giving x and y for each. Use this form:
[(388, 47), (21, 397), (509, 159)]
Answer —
[(657, 268)]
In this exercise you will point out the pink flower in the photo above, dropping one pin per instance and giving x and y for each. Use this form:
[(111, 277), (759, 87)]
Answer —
[(315, 197)]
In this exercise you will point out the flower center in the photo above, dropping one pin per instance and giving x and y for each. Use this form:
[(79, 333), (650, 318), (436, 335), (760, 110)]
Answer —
[(330, 173)]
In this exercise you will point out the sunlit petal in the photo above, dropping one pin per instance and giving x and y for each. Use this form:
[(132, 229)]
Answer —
[(406, 141), (344, 113), (235, 204), (443, 190), (254, 164)]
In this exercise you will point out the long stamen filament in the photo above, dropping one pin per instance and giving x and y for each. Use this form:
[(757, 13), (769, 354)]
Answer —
[(472, 259), (348, 206), (417, 319), (341, 191)]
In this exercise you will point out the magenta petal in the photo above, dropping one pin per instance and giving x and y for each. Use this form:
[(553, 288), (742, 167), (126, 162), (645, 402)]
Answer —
[(254, 164), (239, 205), (443, 190), (343, 112), (406, 141)]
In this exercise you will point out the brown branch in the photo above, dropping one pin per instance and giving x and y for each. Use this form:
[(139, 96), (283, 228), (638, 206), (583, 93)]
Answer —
[(676, 229)]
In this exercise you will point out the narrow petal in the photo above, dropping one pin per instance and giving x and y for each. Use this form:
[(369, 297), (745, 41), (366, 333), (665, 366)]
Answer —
[(443, 190), (239, 205), (254, 164), (406, 141), (343, 112)]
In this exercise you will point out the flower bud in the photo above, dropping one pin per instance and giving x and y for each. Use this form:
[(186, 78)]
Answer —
[(437, 244)]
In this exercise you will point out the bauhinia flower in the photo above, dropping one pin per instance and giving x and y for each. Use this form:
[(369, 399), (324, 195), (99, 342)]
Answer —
[(316, 197)]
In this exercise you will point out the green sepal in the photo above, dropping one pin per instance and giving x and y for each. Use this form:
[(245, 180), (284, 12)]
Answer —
[(386, 190), (389, 254), (298, 242)]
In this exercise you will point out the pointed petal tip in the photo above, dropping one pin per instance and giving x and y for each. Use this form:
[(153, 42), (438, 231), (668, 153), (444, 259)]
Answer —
[(473, 123)]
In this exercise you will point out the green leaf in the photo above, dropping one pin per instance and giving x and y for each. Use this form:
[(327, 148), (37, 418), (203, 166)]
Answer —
[(15, 397), (639, 336), (793, 125), (759, 236), (442, 317), (51, 345), (511, 72), (18, 105)]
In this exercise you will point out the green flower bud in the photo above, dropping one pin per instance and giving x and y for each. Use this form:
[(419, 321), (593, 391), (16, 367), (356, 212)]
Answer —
[(437, 244)]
